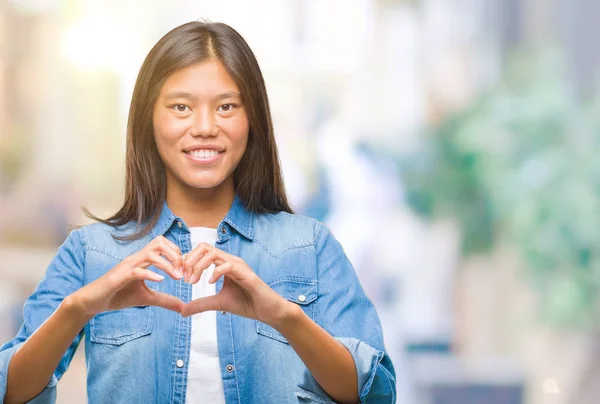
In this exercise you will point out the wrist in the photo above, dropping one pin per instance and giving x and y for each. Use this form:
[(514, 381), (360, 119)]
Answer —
[(291, 315), (73, 305)]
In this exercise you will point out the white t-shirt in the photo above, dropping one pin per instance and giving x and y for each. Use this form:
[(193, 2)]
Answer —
[(204, 384)]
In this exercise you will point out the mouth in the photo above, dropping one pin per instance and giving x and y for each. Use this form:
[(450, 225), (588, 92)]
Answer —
[(204, 156)]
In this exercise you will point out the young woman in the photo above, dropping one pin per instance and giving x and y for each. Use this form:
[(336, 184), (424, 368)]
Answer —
[(204, 287)]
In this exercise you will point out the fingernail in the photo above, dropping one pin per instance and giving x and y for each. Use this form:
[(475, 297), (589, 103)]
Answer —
[(159, 277), (174, 271)]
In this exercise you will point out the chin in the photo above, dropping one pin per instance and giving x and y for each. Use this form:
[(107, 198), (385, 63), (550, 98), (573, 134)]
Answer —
[(204, 184), (202, 181)]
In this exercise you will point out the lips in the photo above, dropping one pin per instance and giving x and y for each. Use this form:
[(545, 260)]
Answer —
[(203, 147), (204, 156), (203, 153)]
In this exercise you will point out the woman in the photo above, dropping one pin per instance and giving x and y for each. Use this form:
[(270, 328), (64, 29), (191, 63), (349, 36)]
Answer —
[(204, 286)]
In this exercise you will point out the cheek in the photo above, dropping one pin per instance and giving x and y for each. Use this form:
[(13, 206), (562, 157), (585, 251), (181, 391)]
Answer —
[(170, 128), (238, 133), (166, 133)]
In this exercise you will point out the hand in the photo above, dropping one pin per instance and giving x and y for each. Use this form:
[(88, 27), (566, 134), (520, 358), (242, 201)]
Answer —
[(243, 292), (123, 286)]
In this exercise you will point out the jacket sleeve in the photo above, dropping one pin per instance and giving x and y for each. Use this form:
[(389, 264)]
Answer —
[(348, 315), (63, 276)]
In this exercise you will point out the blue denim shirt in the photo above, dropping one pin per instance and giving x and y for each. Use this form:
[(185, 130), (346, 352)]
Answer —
[(133, 354)]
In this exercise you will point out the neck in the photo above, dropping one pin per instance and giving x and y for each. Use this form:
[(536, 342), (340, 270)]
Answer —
[(201, 207)]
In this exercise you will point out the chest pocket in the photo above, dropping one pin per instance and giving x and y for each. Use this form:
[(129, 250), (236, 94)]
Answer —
[(120, 326), (302, 291)]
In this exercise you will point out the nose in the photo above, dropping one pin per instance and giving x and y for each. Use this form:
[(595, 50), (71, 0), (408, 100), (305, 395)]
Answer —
[(205, 124)]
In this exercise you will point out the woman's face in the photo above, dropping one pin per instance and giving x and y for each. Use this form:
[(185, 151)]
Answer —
[(200, 127)]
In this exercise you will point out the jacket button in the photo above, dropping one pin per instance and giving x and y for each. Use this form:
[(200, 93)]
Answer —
[(223, 312), (229, 368), (179, 224), (302, 298), (223, 230), (179, 363)]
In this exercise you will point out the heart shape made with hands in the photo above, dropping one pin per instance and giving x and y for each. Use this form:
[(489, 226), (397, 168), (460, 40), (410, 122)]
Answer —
[(243, 292)]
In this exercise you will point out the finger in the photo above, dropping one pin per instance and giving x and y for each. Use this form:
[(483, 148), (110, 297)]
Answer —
[(197, 271), (166, 301), (150, 256), (201, 305), (138, 273), (177, 260), (170, 250), (226, 268), (205, 262), (158, 261), (192, 258), (171, 244)]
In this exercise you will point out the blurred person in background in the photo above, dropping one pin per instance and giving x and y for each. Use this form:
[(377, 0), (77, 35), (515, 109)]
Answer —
[(262, 305)]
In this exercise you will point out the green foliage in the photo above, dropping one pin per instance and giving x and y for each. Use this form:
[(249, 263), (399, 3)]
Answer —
[(521, 164)]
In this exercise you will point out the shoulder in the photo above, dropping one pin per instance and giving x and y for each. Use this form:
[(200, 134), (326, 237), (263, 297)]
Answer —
[(284, 230), (100, 237), (284, 220)]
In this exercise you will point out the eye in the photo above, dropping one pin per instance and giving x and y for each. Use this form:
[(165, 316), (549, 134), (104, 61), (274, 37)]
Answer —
[(179, 107), (227, 107)]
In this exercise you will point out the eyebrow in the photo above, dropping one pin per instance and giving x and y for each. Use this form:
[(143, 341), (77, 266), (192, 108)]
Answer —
[(231, 94), (190, 96), (179, 94)]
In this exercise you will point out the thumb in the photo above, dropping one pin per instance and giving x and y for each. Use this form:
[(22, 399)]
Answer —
[(166, 301), (201, 305)]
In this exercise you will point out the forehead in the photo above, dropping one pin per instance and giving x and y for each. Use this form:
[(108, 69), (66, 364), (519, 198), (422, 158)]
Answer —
[(205, 78)]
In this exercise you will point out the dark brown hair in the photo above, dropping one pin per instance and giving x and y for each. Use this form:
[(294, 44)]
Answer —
[(257, 178)]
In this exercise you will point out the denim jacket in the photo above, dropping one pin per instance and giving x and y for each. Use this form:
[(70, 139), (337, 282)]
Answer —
[(140, 354)]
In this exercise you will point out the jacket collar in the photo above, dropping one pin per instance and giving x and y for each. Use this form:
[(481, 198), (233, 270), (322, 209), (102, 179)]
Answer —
[(238, 217)]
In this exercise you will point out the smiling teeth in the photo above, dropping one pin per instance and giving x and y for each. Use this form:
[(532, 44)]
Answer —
[(204, 154)]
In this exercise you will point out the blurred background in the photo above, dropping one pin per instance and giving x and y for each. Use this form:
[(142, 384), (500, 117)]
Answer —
[(449, 144)]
